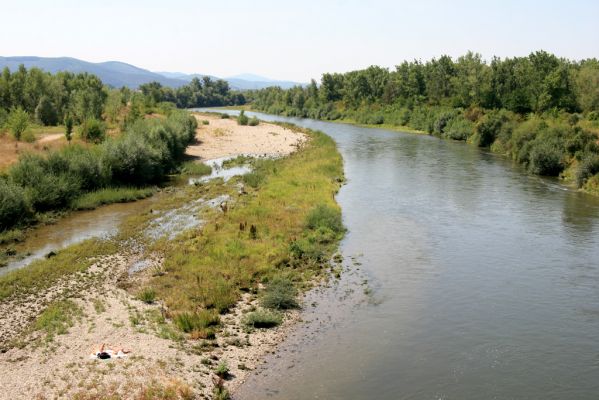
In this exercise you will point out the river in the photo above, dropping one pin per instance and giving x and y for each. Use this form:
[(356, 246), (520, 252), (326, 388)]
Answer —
[(487, 280)]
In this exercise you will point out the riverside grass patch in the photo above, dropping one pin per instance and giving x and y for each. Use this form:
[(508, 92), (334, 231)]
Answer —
[(111, 195), (208, 270)]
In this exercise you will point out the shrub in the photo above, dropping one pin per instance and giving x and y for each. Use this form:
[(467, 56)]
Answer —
[(13, 205), (253, 121), (224, 116), (132, 160), (280, 295), (45, 190), (242, 119), (205, 122), (588, 167), (92, 130), (487, 129), (326, 217), (545, 159), (262, 319), (459, 129)]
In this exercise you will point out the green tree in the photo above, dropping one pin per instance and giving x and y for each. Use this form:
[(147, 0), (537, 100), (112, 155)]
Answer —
[(18, 122), (45, 112), (68, 124)]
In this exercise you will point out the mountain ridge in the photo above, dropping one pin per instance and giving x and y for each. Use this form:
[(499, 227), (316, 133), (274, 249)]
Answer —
[(118, 73)]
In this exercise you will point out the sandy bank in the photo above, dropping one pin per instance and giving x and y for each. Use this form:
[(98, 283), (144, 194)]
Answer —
[(224, 138)]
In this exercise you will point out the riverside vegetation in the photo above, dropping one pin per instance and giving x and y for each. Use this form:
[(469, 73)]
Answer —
[(126, 142), (542, 111), (272, 240)]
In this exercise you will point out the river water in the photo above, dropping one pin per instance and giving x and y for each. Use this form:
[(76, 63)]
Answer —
[(486, 280)]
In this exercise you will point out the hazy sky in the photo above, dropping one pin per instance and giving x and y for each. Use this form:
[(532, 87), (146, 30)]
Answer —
[(294, 40)]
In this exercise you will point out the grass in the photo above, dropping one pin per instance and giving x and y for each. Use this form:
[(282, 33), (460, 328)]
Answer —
[(205, 271), (111, 195), (147, 295), (262, 319), (195, 168), (57, 318), (11, 236)]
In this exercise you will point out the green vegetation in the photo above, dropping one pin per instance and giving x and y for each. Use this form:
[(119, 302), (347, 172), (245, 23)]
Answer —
[(253, 121), (280, 295), (144, 154), (540, 110), (147, 295), (242, 119), (50, 98), (190, 322), (222, 370), (18, 122), (209, 269), (262, 319), (44, 273), (111, 195), (92, 130), (195, 168), (203, 92), (57, 318)]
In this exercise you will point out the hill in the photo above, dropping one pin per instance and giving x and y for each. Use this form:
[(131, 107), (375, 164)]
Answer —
[(117, 74)]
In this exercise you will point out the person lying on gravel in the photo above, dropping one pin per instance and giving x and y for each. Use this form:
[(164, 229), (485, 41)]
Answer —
[(103, 353)]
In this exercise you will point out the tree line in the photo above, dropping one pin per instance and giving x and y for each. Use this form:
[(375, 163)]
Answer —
[(198, 93), (541, 110)]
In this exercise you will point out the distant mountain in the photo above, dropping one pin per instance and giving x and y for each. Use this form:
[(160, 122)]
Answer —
[(118, 74), (251, 78), (112, 73)]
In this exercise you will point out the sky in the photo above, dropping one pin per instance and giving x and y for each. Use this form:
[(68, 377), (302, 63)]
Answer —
[(293, 40)]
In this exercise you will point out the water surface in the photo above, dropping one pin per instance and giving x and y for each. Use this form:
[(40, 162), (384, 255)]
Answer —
[(487, 280)]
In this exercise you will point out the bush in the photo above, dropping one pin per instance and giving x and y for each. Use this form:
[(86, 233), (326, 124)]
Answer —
[(242, 119), (224, 116), (588, 167), (92, 130), (280, 295), (262, 319), (488, 128), (326, 217), (45, 190), (545, 159), (13, 205), (459, 128), (132, 160), (253, 121)]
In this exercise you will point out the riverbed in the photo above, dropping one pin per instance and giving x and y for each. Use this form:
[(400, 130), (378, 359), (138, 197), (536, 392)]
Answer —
[(484, 280)]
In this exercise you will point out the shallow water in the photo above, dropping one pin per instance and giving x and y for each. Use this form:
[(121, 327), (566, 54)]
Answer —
[(486, 280), (104, 221)]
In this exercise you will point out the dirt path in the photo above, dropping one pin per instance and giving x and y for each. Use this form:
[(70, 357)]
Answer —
[(224, 138)]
